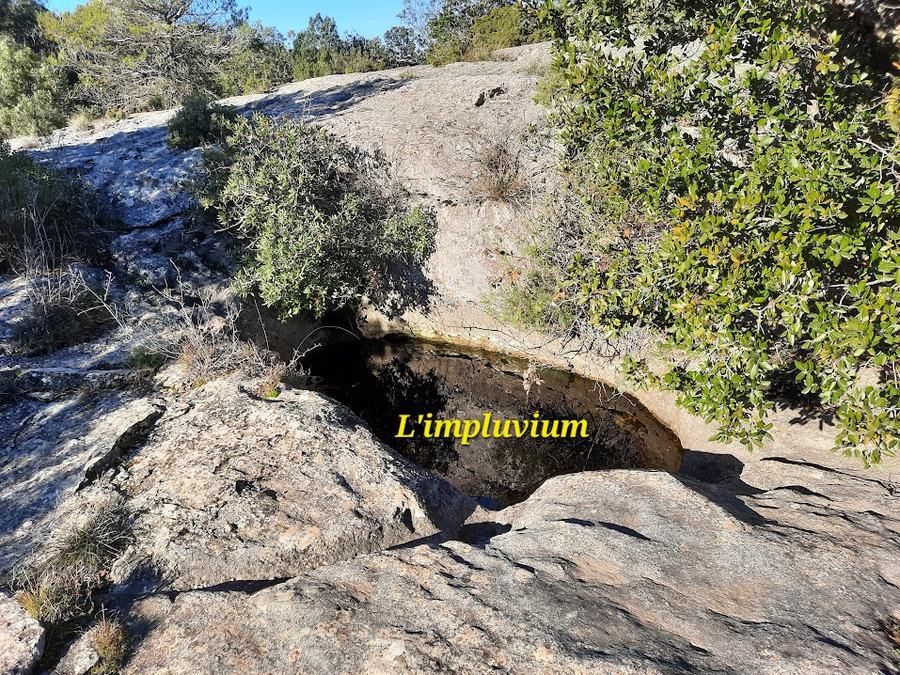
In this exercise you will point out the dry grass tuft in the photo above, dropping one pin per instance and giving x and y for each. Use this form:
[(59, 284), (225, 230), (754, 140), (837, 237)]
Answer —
[(82, 120), (204, 341), (64, 309), (60, 587), (499, 170), (110, 641)]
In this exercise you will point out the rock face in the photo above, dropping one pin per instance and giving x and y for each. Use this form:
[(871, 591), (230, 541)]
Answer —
[(51, 448), (233, 487), (621, 571), (21, 638), (426, 120), (80, 657)]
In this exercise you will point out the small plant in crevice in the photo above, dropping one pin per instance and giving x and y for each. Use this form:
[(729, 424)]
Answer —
[(322, 221), (499, 169), (892, 630), (110, 642), (58, 587), (199, 121), (143, 358)]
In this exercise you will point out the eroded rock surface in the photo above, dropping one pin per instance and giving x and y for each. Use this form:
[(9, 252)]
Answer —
[(780, 566), (231, 486), (50, 449), (606, 572), (21, 638)]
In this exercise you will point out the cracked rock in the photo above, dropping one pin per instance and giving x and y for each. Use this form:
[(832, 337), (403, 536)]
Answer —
[(234, 487), (613, 572)]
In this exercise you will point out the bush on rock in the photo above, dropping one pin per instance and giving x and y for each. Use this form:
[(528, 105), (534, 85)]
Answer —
[(733, 172), (323, 222)]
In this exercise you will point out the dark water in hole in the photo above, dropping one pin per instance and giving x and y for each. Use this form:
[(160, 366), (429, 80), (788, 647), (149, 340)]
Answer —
[(380, 380)]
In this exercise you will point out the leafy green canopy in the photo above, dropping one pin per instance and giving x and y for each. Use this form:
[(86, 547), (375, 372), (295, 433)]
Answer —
[(19, 21), (322, 222), (320, 50), (30, 92), (260, 63), (735, 172), (472, 29), (132, 55)]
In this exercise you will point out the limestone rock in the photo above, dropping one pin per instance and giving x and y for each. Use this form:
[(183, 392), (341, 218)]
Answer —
[(231, 486), (21, 638), (422, 118), (80, 656), (619, 572), (51, 448)]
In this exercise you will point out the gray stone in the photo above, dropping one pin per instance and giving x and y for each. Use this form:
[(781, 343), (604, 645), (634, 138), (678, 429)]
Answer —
[(21, 638), (233, 487), (80, 656), (619, 572), (46, 454)]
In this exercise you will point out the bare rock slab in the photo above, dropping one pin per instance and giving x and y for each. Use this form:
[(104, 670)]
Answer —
[(617, 572), (231, 486), (50, 449), (21, 638)]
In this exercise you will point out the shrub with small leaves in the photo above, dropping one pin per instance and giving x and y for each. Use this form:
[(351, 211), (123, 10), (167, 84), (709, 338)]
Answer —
[(199, 121), (734, 170), (471, 30), (31, 92), (322, 221)]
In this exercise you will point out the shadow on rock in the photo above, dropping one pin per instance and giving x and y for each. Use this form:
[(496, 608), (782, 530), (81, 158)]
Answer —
[(331, 101), (718, 478)]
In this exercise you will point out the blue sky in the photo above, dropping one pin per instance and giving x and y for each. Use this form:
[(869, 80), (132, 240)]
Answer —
[(366, 17)]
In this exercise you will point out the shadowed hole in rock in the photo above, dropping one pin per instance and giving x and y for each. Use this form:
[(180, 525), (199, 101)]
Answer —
[(383, 379)]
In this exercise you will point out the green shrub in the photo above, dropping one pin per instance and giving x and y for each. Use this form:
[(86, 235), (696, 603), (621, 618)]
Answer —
[(127, 56), (471, 30), (502, 27), (734, 178), (320, 50), (199, 121), (30, 92), (46, 218), (442, 53), (19, 21), (322, 222), (260, 64)]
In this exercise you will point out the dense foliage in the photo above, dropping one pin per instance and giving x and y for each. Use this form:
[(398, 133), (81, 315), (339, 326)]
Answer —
[(260, 62), (19, 21), (130, 55), (320, 50), (199, 121), (472, 29), (116, 57), (30, 92), (734, 174), (323, 224)]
